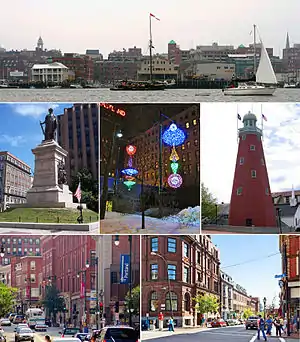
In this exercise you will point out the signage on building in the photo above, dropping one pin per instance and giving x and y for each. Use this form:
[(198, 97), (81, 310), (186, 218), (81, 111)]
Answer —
[(279, 276), (16, 74), (124, 268), (113, 108)]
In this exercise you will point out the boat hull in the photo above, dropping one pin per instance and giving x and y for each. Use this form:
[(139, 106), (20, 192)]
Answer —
[(261, 91)]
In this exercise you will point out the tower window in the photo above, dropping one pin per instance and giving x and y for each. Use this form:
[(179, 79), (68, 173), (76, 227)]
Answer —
[(267, 191), (244, 137), (262, 161), (242, 160), (253, 173), (252, 147), (239, 191)]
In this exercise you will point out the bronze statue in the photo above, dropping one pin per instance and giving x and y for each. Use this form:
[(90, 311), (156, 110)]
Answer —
[(50, 126), (62, 174)]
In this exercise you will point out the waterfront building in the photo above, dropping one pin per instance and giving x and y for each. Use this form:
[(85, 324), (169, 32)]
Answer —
[(162, 69), (50, 73)]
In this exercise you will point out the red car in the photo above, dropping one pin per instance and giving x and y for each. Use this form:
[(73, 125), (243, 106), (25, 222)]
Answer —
[(219, 323)]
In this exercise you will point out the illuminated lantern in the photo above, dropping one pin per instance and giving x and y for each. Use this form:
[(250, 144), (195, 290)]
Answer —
[(129, 184), (130, 149), (174, 180), (130, 172), (173, 136)]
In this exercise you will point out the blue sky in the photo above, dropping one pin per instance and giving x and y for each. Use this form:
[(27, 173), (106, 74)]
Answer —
[(256, 277), (20, 130)]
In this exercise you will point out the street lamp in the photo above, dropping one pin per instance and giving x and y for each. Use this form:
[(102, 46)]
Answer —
[(117, 243), (29, 280), (278, 211), (265, 301), (169, 282), (2, 252), (87, 265)]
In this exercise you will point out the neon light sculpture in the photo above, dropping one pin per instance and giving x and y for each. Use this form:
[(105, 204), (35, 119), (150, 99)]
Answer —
[(129, 173), (174, 136)]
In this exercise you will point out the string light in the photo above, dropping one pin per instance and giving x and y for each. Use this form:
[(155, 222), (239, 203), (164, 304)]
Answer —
[(129, 184), (173, 136), (130, 172), (175, 180)]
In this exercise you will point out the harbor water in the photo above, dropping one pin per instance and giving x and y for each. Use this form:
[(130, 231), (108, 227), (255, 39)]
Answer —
[(170, 95)]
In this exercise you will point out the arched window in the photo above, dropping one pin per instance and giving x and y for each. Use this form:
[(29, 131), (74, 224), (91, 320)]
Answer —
[(174, 301), (153, 301), (187, 302)]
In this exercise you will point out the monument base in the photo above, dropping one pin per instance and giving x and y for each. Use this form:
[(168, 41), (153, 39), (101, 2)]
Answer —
[(49, 205), (49, 194)]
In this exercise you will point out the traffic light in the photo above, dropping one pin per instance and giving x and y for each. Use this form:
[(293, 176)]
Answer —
[(116, 307), (101, 308)]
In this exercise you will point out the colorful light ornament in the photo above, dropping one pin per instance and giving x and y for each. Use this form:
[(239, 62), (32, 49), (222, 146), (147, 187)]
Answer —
[(129, 173), (174, 136)]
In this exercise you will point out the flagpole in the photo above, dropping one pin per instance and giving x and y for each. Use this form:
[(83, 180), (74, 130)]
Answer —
[(150, 47), (262, 122)]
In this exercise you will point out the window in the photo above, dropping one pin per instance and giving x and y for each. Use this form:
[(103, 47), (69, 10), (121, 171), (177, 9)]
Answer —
[(32, 265), (187, 125), (239, 191), (242, 160), (154, 244), (185, 250), (194, 122), (252, 147), (114, 277), (32, 277), (196, 142), (153, 301), (186, 274), (171, 300), (154, 272), (253, 173), (171, 272), (171, 245), (267, 191), (187, 302), (244, 137)]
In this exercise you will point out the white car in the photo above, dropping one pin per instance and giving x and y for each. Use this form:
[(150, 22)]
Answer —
[(66, 339)]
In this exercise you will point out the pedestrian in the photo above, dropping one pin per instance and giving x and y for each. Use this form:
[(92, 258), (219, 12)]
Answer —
[(171, 324), (269, 322), (47, 338), (203, 322), (261, 328), (284, 324), (278, 326), (295, 324)]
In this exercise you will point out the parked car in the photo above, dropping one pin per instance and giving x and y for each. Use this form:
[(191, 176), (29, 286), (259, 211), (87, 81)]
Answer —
[(18, 319), (83, 336), (5, 322), (41, 327), (70, 332), (218, 323), (21, 326), (230, 322), (2, 337), (118, 334), (12, 316), (24, 334), (251, 322)]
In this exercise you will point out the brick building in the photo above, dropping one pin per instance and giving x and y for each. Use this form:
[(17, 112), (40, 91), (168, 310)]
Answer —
[(241, 300), (189, 265), (110, 71), (78, 135)]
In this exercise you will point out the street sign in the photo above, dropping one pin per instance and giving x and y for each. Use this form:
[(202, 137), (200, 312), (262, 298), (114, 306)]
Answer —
[(280, 275), (124, 269), (91, 298), (280, 283)]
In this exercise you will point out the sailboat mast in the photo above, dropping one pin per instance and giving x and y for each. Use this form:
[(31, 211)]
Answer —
[(150, 48), (254, 48)]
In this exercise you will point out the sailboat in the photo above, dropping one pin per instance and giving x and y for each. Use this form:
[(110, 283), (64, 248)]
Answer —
[(143, 85), (265, 77)]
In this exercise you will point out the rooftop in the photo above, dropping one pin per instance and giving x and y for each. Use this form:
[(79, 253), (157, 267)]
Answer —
[(55, 65)]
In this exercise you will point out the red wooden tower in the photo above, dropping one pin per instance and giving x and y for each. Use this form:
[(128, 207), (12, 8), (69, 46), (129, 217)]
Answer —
[(251, 201)]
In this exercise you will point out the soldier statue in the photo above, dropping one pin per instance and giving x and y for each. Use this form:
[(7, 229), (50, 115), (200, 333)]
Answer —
[(50, 125), (62, 174)]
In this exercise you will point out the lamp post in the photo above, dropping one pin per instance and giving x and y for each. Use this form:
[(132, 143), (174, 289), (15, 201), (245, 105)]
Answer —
[(117, 242), (87, 265), (265, 301), (278, 210), (216, 206), (169, 282)]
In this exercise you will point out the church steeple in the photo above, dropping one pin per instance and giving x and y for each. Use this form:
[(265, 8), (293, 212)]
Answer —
[(287, 42), (40, 44)]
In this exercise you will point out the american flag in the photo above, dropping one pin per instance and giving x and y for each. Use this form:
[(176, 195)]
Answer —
[(78, 192), (264, 117)]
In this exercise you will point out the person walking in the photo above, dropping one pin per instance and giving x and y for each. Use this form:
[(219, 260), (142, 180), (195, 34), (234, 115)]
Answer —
[(47, 338), (171, 324), (261, 328), (278, 326), (269, 322)]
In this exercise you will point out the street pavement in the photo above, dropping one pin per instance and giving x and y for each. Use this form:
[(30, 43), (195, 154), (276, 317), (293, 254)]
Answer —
[(227, 334), (131, 224)]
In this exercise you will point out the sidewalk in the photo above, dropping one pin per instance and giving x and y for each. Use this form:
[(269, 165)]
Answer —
[(131, 224), (148, 335)]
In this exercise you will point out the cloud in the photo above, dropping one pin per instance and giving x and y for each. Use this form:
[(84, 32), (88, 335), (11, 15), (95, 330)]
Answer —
[(219, 145), (14, 141), (34, 110)]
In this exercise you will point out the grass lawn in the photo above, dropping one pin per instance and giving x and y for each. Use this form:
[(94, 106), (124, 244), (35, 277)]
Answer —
[(44, 215)]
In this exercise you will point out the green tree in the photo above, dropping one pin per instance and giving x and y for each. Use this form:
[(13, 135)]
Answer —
[(53, 302), (207, 303), (208, 204), (7, 298), (247, 313), (134, 301), (89, 188)]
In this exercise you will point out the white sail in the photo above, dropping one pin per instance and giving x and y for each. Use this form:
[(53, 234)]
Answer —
[(265, 72)]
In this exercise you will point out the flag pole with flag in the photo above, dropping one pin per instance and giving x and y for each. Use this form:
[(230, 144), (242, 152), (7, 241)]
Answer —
[(78, 196), (151, 43), (263, 118), (238, 118)]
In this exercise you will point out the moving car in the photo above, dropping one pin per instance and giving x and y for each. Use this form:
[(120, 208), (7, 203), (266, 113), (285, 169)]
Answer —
[(2, 337), (24, 334), (118, 334), (218, 323), (251, 322), (71, 332), (18, 319), (40, 327), (21, 326), (12, 316), (83, 336), (5, 322)]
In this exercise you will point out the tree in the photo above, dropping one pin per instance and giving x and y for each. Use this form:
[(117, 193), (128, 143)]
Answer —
[(7, 298), (206, 303), (208, 204), (247, 313), (53, 302), (134, 301)]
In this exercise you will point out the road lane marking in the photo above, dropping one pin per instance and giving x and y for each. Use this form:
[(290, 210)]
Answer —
[(281, 339), (253, 338)]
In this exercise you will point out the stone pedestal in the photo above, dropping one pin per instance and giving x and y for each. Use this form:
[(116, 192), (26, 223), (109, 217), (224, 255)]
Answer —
[(46, 192)]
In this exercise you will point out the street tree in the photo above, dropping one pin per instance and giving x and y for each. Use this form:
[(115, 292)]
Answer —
[(247, 313), (207, 303), (7, 298), (208, 203), (134, 301), (53, 302)]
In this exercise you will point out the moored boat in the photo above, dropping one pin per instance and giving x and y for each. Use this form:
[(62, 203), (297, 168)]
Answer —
[(138, 85)]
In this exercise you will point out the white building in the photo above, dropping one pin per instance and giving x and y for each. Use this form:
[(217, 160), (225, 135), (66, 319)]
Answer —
[(227, 284), (162, 69), (211, 71), (49, 73)]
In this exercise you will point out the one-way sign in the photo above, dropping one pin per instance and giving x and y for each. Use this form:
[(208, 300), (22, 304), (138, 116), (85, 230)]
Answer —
[(280, 275)]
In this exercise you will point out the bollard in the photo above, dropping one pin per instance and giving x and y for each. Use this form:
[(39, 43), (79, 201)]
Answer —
[(20, 219)]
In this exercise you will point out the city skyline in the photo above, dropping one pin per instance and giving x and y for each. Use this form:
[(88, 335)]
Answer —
[(179, 23), (20, 130), (248, 265), (281, 141)]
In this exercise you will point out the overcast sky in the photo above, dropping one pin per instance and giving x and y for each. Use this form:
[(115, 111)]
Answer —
[(74, 26), (219, 144)]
